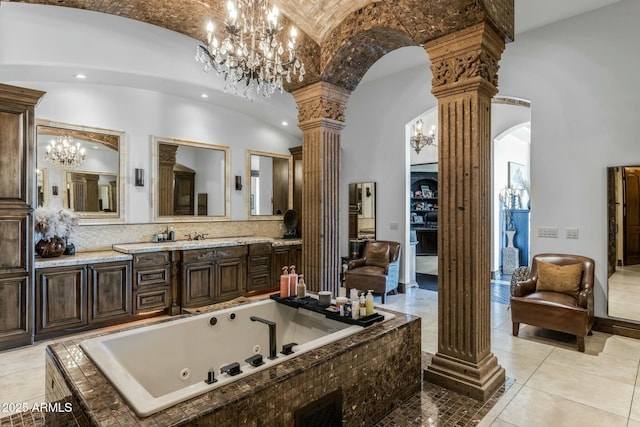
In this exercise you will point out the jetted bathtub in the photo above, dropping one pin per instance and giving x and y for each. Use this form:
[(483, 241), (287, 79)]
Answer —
[(157, 366)]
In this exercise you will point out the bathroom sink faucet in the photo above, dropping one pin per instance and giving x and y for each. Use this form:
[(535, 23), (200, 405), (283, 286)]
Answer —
[(272, 335), (199, 236)]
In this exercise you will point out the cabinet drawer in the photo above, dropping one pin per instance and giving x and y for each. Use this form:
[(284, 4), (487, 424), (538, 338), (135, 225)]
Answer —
[(151, 276), (151, 300), (260, 249), (259, 282), (259, 263), (152, 258), (211, 254)]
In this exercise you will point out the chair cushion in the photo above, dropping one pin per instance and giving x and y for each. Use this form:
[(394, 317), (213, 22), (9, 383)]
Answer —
[(559, 278), (377, 255)]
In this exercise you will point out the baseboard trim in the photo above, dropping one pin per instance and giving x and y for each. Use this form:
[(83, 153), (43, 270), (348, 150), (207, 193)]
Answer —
[(617, 327)]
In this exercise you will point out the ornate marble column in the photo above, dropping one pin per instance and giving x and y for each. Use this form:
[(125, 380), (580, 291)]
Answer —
[(321, 117), (465, 76)]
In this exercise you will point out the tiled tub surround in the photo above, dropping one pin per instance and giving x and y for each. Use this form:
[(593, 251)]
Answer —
[(103, 237), (375, 370), (152, 384)]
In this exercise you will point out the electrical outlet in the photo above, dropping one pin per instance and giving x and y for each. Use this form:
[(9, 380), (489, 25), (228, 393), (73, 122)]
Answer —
[(571, 233), (393, 226), (551, 232)]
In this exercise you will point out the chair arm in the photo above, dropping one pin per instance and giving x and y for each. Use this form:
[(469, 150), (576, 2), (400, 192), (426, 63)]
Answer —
[(584, 295), (355, 263), (524, 288)]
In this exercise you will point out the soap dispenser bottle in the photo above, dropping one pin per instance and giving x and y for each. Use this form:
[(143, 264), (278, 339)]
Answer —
[(363, 305), (301, 288), (369, 303), (293, 280), (284, 282)]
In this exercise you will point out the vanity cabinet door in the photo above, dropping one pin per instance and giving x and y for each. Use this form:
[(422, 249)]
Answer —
[(109, 291), (198, 284), (230, 277), (61, 300), (284, 255)]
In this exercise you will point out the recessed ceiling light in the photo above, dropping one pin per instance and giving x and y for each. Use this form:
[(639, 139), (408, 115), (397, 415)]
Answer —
[(285, 123), (204, 95), (80, 76)]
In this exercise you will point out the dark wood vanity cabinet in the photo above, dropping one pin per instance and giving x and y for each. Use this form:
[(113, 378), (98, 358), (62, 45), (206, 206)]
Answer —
[(151, 282), (17, 200), (259, 279), (109, 287), (213, 275), (73, 298), (284, 255), (61, 300)]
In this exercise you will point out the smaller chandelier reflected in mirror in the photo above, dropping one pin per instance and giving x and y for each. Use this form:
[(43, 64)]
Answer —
[(419, 140), (251, 56), (63, 153)]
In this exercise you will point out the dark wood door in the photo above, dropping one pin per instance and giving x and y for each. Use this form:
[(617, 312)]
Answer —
[(632, 216), (61, 300), (14, 324), (230, 277), (198, 284), (183, 193), (109, 291)]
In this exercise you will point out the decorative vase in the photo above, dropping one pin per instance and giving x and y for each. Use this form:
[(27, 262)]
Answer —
[(70, 249), (50, 248), (510, 234)]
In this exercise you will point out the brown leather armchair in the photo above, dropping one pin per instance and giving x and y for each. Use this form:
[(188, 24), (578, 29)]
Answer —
[(567, 312), (378, 270)]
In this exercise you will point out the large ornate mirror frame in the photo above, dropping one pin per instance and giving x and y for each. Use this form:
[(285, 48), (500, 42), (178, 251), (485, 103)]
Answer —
[(83, 188), (190, 181), (270, 184)]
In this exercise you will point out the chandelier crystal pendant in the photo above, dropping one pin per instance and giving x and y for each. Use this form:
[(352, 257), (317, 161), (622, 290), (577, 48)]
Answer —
[(419, 140), (251, 57), (63, 153)]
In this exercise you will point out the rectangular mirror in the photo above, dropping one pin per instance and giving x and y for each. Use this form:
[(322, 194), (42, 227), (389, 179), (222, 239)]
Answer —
[(190, 180), (81, 168), (362, 210), (623, 251), (270, 180)]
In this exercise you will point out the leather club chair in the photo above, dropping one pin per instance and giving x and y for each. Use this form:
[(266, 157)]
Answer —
[(558, 295), (378, 270)]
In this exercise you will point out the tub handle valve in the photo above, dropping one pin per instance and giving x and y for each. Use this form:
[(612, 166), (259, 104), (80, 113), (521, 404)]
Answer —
[(211, 377), (288, 348), (255, 360), (231, 369)]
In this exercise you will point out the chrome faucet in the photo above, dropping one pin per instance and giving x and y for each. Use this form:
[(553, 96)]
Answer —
[(272, 335), (199, 236)]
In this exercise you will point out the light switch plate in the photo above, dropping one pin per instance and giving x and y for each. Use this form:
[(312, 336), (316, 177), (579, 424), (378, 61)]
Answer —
[(550, 232), (571, 233)]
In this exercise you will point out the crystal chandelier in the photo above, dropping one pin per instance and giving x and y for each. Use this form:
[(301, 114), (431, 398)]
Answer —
[(251, 57), (419, 140), (63, 153)]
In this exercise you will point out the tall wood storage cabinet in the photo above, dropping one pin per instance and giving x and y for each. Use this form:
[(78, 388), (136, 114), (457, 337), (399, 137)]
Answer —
[(17, 199)]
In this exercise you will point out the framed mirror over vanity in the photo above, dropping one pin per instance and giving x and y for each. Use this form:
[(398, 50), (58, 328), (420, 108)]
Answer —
[(92, 184), (623, 249), (270, 179), (191, 180)]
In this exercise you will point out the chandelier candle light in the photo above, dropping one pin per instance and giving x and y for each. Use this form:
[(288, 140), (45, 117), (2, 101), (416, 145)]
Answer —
[(251, 57), (64, 154), (420, 140)]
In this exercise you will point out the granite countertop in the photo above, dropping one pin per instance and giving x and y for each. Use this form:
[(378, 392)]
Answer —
[(81, 258), (134, 248)]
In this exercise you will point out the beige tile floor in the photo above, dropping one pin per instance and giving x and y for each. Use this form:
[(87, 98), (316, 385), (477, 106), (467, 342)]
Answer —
[(555, 385), (623, 292)]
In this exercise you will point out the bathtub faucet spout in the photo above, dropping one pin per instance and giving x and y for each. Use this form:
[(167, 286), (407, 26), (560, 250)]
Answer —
[(272, 335)]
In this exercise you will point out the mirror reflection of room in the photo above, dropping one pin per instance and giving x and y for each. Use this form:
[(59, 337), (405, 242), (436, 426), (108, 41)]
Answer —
[(270, 181), (362, 211), (192, 179), (79, 168), (624, 242)]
